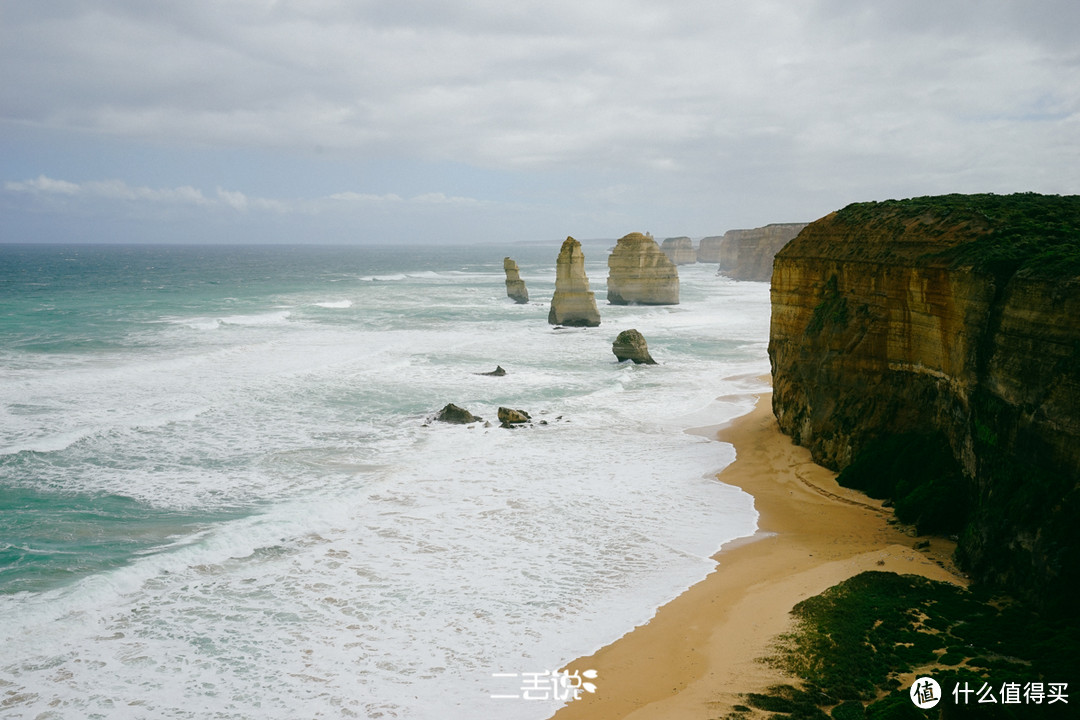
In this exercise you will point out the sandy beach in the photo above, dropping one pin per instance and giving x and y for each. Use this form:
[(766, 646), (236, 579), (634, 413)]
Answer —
[(701, 651)]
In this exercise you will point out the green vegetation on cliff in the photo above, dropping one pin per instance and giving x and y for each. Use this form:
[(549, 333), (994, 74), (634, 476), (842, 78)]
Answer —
[(857, 646), (918, 473), (1023, 231), (929, 349)]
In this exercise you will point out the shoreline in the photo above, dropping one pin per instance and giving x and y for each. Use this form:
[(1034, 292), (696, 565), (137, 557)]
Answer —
[(699, 653)]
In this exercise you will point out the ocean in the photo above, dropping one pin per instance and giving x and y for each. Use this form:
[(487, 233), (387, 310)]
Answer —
[(221, 495)]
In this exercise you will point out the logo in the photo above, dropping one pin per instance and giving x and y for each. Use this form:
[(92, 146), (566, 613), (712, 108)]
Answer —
[(547, 685), (925, 693)]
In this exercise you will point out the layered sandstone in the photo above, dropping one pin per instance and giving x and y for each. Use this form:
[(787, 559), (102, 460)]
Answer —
[(573, 303), (942, 319), (639, 272), (515, 286), (748, 254), (680, 250), (709, 249)]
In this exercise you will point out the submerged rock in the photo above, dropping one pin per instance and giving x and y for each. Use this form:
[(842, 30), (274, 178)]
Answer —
[(631, 345), (573, 303), (509, 416), (456, 415), (497, 372), (515, 286), (639, 272)]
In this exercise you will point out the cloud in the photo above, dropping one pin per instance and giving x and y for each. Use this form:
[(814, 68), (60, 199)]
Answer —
[(530, 84), (233, 200), (43, 184), (698, 112), (111, 190), (55, 210), (366, 198)]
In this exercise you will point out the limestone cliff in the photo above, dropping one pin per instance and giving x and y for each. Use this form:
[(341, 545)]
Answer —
[(938, 340), (515, 286), (680, 250), (573, 303), (748, 254), (709, 249), (638, 272)]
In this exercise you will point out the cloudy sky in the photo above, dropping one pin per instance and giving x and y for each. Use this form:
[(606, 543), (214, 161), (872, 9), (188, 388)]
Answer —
[(487, 120)]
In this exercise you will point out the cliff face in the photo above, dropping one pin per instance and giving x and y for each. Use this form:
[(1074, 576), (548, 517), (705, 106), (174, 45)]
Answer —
[(680, 250), (573, 303), (709, 249), (640, 273), (748, 254), (901, 326), (515, 286)]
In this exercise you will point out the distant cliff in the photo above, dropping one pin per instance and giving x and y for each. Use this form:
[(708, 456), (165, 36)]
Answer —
[(638, 272), (748, 254), (709, 249), (930, 349), (680, 250)]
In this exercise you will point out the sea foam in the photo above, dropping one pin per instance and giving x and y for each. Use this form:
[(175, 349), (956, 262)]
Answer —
[(352, 556)]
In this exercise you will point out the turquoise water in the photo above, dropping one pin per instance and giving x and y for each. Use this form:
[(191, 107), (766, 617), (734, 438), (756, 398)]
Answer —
[(53, 538), (104, 305), (221, 495)]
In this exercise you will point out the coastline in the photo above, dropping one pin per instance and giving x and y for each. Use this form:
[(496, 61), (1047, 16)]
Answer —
[(700, 652)]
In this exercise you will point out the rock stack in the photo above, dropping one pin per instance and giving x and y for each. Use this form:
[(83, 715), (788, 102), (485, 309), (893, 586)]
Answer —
[(455, 415), (680, 250), (508, 417), (515, 286), (639, 272), (573, 303), (631, 345)]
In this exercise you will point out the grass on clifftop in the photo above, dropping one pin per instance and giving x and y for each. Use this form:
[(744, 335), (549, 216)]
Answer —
[(857, 647), (1038, 233)]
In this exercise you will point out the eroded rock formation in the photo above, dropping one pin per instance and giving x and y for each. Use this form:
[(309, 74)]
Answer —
[(709, 249), (509, 416), (680, 250), (631, 345), (515, 286), (573, 303), (748, 254), (639, 272), (451, 413), (947, 328)]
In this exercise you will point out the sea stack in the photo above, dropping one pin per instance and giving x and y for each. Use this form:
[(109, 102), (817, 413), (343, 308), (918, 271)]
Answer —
[(631, 345), (680, 250), (515, 286), (639, 272), (573, 303)]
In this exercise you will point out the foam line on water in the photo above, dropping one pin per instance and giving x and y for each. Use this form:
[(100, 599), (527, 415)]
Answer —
[(379, 566)]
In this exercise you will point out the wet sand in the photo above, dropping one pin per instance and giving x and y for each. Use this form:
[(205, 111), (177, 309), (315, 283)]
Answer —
[(701, 651)]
